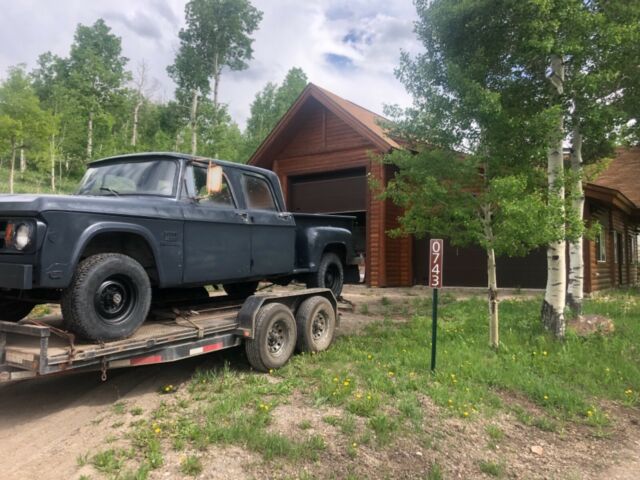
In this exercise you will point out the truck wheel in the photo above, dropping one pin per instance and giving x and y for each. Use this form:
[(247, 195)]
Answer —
[(15, 310), (240, 291), (316, 323), (108, 299), (330, 274), (274, 338)]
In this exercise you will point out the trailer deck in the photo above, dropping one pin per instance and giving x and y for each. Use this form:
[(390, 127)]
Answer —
[(35, 348)]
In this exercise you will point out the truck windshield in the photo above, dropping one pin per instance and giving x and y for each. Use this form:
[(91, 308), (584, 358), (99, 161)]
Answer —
[(152, 177)]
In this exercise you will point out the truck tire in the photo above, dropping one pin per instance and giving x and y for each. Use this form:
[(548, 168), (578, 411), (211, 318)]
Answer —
[(15, 310), (330, 274), (274, 338), (316, 324), (240, 291), (108, 299)]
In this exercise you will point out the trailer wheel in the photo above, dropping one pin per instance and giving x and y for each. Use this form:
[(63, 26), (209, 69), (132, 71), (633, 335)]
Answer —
[(330, 274), (15, 310), (316, 322), (240, 291), (274, 340), (108, 299)]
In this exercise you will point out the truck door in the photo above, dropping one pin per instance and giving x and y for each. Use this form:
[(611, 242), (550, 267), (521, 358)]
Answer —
[(272, 231), (217, 235)]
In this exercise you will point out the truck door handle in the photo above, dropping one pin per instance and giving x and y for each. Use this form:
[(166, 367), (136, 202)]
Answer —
[(284, 215), (244, 216)]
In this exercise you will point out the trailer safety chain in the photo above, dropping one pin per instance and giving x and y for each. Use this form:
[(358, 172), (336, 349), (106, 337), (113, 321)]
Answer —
[(352, 305), (103, 369)]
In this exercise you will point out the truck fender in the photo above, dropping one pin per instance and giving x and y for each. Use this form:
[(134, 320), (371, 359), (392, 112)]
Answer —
[(319, 238), (113, 227)]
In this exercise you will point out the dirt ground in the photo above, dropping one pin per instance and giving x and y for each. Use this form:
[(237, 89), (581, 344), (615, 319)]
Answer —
[(48, 425)]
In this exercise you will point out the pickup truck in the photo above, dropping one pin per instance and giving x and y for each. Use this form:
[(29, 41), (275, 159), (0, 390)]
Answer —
[(143, 226)]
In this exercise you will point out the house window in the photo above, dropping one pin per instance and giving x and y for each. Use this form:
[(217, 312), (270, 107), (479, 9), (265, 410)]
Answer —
[(601, 246)]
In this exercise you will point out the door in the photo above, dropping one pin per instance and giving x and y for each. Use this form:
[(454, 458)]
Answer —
[(272, 231), (335, 192), (217, 235)]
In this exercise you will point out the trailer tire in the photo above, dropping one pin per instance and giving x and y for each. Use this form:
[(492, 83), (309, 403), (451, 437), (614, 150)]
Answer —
[(274, 338), (15, 310), (108, 298), (330, 274), (316, 323), (240, 291)]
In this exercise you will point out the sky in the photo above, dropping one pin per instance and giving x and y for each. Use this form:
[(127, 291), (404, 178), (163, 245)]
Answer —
[(349, 47)]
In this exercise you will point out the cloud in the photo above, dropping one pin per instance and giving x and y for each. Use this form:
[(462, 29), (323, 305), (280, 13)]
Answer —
[(350, 48)]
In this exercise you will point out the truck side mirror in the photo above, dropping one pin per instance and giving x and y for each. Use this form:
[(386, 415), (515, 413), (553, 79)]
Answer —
[(214, 179)]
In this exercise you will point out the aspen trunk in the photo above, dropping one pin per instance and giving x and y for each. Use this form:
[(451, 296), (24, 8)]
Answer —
[(555, 294), (13, 165), (576, 260), (136, 116), (90, 137), (23, 161), (194, 117), (52, 155), (494, 320)]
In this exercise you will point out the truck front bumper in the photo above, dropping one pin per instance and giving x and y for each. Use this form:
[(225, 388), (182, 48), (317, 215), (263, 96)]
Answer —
[(16, 276)]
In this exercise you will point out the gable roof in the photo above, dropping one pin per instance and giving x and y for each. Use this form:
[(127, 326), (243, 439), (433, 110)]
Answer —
[(365, 122), (623, 174)]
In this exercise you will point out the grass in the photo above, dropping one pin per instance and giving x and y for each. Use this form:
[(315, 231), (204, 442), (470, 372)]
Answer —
[(379, 380), (191, 466), (493, 469)]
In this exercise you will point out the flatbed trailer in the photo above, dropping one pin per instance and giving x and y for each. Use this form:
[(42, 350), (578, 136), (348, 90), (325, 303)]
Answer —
[(271, 326)]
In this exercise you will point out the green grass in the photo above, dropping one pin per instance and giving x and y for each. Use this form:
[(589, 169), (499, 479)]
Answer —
[(379, 379), (34, 182), (191, 466)]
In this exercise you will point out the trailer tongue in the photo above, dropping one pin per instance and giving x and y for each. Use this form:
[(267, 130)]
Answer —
[(271, 327)]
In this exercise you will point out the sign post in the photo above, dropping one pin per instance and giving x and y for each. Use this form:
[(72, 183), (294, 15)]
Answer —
[(435, 282)]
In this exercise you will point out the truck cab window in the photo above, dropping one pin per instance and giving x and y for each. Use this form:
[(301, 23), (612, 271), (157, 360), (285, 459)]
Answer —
[(196, 187), (258, 193)]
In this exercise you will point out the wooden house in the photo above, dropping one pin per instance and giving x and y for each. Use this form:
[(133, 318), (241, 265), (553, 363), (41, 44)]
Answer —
[(324, 149)]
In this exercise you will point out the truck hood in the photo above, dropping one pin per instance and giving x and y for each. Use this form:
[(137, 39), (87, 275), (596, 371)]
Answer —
[(32, 205)]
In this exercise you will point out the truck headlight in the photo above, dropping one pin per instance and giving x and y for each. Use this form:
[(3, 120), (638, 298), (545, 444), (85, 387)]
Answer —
[(22, 236)]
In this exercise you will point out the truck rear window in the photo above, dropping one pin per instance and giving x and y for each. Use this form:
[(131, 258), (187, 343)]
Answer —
[(258, 193)]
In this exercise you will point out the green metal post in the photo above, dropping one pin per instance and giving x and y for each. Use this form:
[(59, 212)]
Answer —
[(434, 329)]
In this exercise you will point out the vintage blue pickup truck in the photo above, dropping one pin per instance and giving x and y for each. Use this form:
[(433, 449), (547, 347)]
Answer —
[(143, 225)]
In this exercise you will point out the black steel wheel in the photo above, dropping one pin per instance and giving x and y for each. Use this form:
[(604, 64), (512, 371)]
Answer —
[(15, 310), (108, 299), (274, 338), (330, 274), (316, 323)]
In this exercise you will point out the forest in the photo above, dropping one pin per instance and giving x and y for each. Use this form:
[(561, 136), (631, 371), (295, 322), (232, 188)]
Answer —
[(94, 103)]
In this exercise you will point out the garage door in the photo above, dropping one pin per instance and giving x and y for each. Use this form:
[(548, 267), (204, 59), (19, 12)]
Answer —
[(336, 192)]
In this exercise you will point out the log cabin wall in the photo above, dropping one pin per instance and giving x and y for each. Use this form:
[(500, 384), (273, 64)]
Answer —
[(322, 143)]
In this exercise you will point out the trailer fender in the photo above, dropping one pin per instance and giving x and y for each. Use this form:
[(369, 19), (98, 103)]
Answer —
[(251, 306)]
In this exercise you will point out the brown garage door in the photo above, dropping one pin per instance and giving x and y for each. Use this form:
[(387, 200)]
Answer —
[(336, 192)]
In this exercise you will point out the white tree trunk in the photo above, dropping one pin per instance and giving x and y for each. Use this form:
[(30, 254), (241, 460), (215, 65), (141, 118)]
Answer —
[(23, 161), (194, 123), (13, 165), (90, 137), (136, 116), (556, 291), (576, 260), (52, 155), (494, 321)]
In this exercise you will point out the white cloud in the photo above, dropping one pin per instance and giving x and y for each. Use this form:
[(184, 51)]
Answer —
[(367, 35)]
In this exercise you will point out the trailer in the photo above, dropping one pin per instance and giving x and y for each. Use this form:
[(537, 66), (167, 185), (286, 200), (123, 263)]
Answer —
[(271, 327)]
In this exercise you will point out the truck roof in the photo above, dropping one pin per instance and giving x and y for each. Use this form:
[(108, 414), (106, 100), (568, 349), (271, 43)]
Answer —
[(184, 156)]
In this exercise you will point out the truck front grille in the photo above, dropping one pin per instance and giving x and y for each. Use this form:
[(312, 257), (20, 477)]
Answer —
[(3, 227)]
